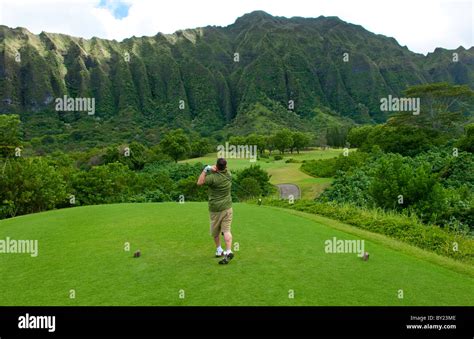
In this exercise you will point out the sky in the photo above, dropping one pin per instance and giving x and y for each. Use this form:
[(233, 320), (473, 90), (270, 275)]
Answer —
[(421, 25)]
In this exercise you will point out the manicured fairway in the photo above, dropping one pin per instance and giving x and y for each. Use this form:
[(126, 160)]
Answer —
[(282, 172), (270, 164), (82, 249)]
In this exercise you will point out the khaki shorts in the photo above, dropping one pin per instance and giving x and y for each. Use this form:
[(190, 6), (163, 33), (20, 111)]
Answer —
[(220, 221)]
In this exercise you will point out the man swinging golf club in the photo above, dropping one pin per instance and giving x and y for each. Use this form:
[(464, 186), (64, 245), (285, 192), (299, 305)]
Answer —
[(219, 182)]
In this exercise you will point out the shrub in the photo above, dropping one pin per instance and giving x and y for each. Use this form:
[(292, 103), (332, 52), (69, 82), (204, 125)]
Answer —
[(173, 170), (261, 177), (29, 186), (458, 171), (109, 183), (349, 188), (404, 140), (200, 147), (326, 168), (395, 176), (249, 188), (189, 190), (151, 196), (466, 143), (357, 136), (136, 157)]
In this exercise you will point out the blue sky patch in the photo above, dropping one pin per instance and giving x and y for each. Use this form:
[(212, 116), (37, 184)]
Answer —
[(119, 9)]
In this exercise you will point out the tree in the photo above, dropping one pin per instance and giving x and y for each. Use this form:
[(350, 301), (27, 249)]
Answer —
[(29, 186), (258, 140), (270, 143), (200, 147), (283, 140), (259, 175), (108, 183), (237, 140), (10, 134), (336, 136), (442, 106), (190, 191), (139, 156), (175, 144), (357, 136), (134, 155), (300, 141), (405, 140), (466, 143)]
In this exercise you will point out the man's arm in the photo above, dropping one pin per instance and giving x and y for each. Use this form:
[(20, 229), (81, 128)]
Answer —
[(202, 178)]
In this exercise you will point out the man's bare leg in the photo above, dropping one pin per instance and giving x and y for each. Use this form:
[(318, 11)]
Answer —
[(228, 253), (219, 250), (228, 241), (217, 240)]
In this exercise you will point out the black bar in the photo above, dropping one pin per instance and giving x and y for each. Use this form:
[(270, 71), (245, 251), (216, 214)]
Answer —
[(135, 322)]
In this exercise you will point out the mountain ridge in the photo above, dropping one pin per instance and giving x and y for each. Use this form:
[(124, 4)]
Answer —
[(279, 60)]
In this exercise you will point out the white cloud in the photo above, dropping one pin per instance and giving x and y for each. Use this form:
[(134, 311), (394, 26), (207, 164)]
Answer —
[(422, 25)]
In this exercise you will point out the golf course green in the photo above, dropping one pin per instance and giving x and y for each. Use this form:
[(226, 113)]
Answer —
[(281, 254), (282, 172)]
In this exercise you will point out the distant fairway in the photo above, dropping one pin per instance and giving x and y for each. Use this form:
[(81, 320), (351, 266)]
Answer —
[(283, 173), (83, 249)]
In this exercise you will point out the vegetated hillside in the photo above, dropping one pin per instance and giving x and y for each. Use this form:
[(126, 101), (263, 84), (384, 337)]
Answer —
[(143, 79)]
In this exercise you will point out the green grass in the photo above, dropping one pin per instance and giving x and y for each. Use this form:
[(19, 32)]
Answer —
[(280, 250), (284, 173)]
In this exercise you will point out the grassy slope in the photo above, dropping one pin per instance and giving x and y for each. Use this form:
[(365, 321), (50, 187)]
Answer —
[(283, 173), (82, 249)]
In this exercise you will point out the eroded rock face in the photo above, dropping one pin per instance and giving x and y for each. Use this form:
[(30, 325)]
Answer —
[(220, 72)]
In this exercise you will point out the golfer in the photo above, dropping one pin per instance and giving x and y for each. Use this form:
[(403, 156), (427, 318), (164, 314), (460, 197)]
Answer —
[(219, 182)]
